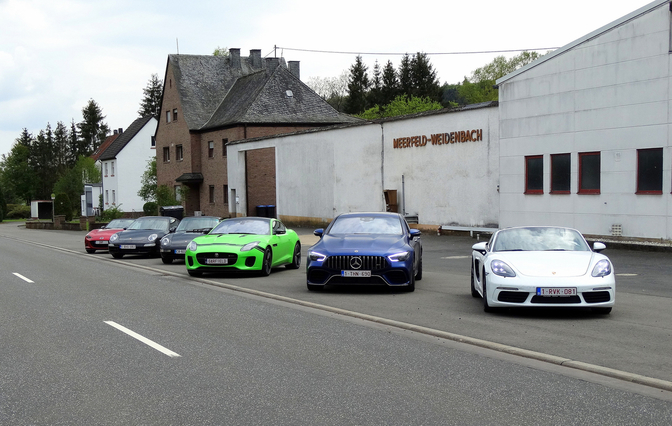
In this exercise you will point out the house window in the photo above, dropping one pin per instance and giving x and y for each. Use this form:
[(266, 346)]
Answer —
[(224, 142), (211, 149), (153, 142), (178, 192), (105, 169), (112, 168), (175, 114), (114, 197), (589, 173), (560, 173), (167, 116), (211, 194), (534, 174), (226, 194), (178, 153), (650, 171), (166, 154), (107, 197)]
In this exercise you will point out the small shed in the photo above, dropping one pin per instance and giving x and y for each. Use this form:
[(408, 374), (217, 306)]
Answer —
[(41, 209)]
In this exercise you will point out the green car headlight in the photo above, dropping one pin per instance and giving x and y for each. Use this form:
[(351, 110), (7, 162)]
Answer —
[(250, 246)]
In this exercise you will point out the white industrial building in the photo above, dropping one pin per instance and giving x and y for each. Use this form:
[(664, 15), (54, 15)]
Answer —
[(585, 132), (441, 165), (580, 138)]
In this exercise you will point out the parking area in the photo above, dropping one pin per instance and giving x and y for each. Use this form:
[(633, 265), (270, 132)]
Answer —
[(634, 338)]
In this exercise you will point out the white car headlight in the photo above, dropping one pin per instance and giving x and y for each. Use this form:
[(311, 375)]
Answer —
[(250, 246), (316, 256), (502, 269), (399, 257), (165, 241), (152, 237), (602, 268), (192, 245), (114, 237)]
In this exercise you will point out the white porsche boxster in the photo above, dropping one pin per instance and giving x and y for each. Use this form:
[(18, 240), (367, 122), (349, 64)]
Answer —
[(542, 266)]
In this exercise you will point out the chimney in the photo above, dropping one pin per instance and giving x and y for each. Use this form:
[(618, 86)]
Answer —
[(272, 63), (255, 57), (121, 130), (295, 69), (234, 55), (115, 131)]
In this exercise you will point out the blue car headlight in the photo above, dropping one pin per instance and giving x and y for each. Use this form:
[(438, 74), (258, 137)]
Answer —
[(250, 246), (502, 269), (192, 246), (602, 268), (399, 257), (316, 256)]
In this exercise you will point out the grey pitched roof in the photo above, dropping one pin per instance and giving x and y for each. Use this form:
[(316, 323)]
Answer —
[(215, 93), (630, 16), (123, 139)]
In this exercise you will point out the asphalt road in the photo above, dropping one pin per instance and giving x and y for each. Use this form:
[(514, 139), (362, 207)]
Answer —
[(259, 354)]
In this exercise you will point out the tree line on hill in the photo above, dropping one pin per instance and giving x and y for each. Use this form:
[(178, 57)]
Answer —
[(412, 87)]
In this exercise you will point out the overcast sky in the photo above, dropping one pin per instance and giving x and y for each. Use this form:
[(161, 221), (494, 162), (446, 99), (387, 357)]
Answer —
[(56, 55)]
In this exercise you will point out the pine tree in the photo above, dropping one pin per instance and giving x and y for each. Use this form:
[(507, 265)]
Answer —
[(375, 96), (423, 78), (390, 88), (405, 75), (92, 129), (358, 85), (151, 101)]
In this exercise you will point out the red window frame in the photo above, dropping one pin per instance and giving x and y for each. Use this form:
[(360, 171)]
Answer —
[(527, 174), (582, 190)]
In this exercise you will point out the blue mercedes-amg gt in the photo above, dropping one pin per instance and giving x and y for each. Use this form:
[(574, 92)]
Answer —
[(366, 249)]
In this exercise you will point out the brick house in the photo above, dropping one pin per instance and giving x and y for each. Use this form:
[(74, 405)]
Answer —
[(209, 101)]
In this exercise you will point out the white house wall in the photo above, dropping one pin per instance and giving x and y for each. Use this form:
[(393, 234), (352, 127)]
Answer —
[(610, 93), (130, 164), (321, 174)]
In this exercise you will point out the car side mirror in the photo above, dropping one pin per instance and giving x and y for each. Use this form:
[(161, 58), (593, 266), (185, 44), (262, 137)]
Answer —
[(173, 229), (480, 247), (598, 247), (415, 233), (280, 232), (206, 230), (319, 232)]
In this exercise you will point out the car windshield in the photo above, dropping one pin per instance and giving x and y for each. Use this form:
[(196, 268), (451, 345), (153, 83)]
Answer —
[(539, 239), (390, 225), (157, 223), (119, 223), (191, 224), (243, 226)]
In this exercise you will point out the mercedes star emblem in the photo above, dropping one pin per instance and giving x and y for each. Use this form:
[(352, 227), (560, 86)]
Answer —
[(356, 262)]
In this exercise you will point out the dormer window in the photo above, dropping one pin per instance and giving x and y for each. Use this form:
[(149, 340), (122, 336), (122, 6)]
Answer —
[(289, 94)]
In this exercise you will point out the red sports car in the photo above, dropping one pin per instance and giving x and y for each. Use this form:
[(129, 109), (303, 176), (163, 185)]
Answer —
[(98, 239)]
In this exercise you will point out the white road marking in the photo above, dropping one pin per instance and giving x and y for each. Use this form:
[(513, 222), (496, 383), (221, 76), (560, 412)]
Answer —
[(143, 339), (23, 278), (456, 257), (626, 275)]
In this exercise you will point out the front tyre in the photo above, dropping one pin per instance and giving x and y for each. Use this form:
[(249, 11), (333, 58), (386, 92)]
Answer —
[(166, 260), (267, 262), (296, 258), (418, 274), (474, 292), (194, 273), (602, 311), (90, 251), (314, 287), (117, 255)]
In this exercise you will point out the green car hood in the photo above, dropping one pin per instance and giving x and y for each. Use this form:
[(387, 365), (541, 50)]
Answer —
[(231, 240)]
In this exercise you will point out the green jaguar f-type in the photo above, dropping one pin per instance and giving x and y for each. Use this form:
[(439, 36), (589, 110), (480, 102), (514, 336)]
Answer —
[(244, 244)]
